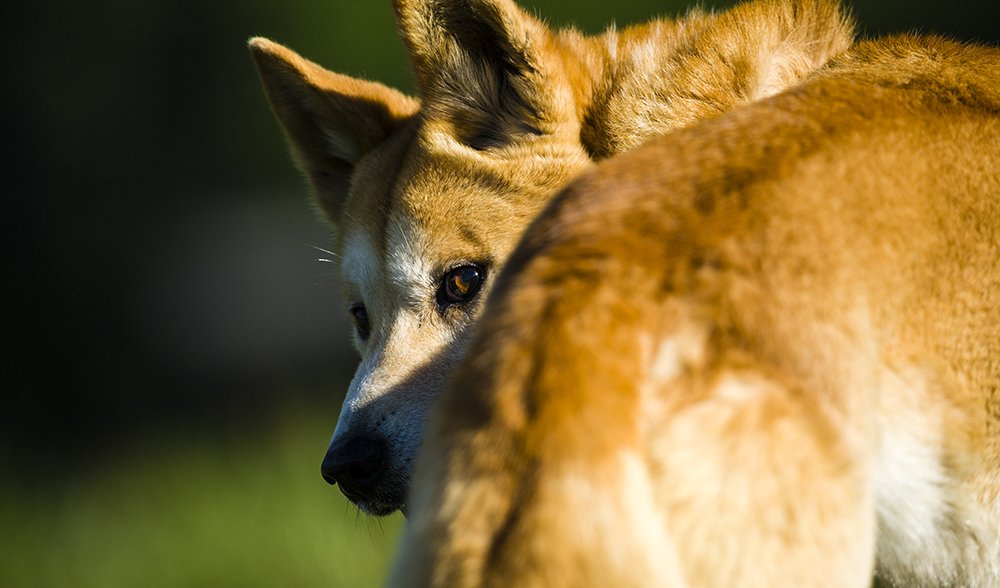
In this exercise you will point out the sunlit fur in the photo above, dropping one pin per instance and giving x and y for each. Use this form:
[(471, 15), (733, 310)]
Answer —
[(763, 350), (509, 111)]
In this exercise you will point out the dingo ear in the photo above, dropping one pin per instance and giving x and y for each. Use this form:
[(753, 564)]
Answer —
[(479, 67), (330, 120)]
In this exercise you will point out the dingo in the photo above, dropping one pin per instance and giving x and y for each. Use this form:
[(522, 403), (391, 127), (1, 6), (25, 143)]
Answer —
[(428, 198), (760, 351)]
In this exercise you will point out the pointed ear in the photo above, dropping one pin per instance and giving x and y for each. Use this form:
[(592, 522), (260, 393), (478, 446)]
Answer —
[(479, 65), (330, 120)]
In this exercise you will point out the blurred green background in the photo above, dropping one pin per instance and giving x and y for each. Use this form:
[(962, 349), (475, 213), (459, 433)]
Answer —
[(175, 356)]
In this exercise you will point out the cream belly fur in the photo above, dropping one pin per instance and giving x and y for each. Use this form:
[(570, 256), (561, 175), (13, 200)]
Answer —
[(427, 197), (763, 350)]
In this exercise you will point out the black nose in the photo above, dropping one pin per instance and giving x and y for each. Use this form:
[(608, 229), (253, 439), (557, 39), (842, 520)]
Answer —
[(357, 464)]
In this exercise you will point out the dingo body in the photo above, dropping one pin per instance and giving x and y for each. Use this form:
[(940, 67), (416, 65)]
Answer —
[(760, 351)]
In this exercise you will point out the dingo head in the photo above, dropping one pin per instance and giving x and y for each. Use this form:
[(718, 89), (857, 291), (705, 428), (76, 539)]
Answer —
[(427, 198)]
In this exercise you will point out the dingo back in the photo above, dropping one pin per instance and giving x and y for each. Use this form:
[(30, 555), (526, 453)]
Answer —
[(760, 351)]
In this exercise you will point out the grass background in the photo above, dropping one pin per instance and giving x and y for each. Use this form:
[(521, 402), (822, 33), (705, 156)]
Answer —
[(174, 356), (196, 510)]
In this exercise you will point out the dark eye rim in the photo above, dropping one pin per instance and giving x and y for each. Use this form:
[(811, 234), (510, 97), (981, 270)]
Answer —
[(445, 299), (362, 325)]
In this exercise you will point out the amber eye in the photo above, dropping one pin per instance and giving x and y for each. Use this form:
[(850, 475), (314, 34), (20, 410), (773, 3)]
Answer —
[(360, 315), (460, 285)]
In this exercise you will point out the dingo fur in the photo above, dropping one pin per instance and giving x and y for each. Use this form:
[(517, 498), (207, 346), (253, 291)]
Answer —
[(428, 197), (760, 351)]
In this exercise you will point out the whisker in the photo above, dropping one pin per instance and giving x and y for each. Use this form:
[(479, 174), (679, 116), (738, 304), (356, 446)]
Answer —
[(321, 250)]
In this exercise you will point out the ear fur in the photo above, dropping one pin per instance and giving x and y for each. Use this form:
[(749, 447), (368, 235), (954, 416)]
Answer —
[(330, 120), (479, 67)]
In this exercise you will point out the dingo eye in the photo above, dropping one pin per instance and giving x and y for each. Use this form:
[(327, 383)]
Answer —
[(460, 285), (360, 315)]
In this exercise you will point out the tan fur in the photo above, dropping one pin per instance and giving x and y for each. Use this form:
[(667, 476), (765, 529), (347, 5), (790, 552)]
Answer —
[(509, 112), (760, 351)]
